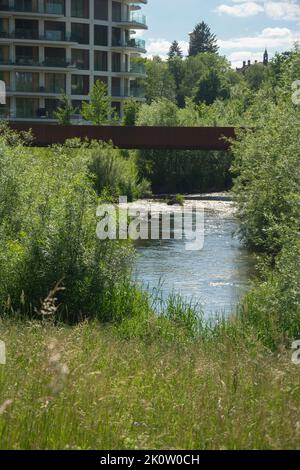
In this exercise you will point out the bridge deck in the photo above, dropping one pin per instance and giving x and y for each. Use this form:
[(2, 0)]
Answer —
[(184, 138)]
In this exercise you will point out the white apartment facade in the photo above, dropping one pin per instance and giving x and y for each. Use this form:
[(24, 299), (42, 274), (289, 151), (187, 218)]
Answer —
[(54, 47)]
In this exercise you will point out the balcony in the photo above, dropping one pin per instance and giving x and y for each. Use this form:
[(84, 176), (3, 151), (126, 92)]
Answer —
[(134, 20), (55, 8), (135, 92), (138, 45), (138, 70), (25, 62), (32, 35)]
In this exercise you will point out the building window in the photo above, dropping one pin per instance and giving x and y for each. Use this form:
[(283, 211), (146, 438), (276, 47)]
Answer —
[(26, 107), (4, 54), (81, 58), (116, 37), (116, 86), (100, 61), (101, 10), (56, 7), (27, 81), (4, 27), (80, 33), (26, 55), (116, 62), (55, 57), (27, 29), (51, 106), (80, 84), (100, 35), (80, 8), (116, 11), (55, 83), (55, 31)]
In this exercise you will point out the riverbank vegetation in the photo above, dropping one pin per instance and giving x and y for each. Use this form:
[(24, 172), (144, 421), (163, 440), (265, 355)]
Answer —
[(90, 364)]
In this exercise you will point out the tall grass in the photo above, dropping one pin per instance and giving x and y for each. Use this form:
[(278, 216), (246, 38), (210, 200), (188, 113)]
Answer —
[(82, 387)]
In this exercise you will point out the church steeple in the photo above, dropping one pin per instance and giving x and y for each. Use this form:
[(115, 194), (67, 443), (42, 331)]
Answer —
[(266, 57)]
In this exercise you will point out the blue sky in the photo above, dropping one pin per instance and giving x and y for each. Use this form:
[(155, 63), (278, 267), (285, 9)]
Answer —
[(244, 28)]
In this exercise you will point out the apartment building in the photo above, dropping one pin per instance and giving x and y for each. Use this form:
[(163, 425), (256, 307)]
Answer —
[(54, 47)]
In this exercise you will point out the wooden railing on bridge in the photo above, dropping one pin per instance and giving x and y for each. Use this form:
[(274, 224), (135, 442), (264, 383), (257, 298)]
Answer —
[(159, 138)]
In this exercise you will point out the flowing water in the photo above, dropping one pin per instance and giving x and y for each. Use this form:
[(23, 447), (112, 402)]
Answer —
[(215, 277)]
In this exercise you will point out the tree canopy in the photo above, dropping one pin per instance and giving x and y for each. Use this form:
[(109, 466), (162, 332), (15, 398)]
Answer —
[(202, 40)]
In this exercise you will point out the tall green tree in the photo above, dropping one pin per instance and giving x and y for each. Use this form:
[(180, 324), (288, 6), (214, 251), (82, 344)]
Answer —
[(99, 110), (202, 40), (210, 88), (175, 51), (131, 109), (64, 112), (160, 82)]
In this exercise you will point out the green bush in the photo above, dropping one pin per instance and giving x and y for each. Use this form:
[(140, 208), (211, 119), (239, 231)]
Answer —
[(48, 233), (267, 182)]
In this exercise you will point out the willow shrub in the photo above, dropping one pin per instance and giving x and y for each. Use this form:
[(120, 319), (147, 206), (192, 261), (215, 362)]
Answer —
[(267, 182), (48, 234)]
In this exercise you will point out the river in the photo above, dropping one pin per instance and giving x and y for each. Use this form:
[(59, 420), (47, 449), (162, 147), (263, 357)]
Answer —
[(216, 277)]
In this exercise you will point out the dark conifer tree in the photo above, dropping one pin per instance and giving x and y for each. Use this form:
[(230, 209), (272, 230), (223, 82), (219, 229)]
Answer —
[(175, 51), (202, 40)]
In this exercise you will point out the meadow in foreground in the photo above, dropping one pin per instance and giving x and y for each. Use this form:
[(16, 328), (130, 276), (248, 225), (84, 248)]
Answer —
[(86, 387)]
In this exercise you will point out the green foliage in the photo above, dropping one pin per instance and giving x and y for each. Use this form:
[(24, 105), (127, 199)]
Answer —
[(256, 76), (86, 388), (131, 109), (206, 77), (211, 88), (65, 111), (268, 177), (99, 110), (160, 112), (175, 51), (266, 165), (202, 40), (48, 229), (160, 82), (115, 173)]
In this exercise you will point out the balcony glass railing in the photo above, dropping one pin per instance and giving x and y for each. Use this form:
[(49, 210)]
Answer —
[(134, 43), (33, 35), (27, 87), (136, 17), (136, 92), (138, 69), (48, 62), (53, 8), (54, 89), (25, 60)]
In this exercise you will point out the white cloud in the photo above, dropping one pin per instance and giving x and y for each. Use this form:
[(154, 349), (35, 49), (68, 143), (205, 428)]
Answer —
[(287, 10), (241, 10), (273, 38), (160, 47)]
